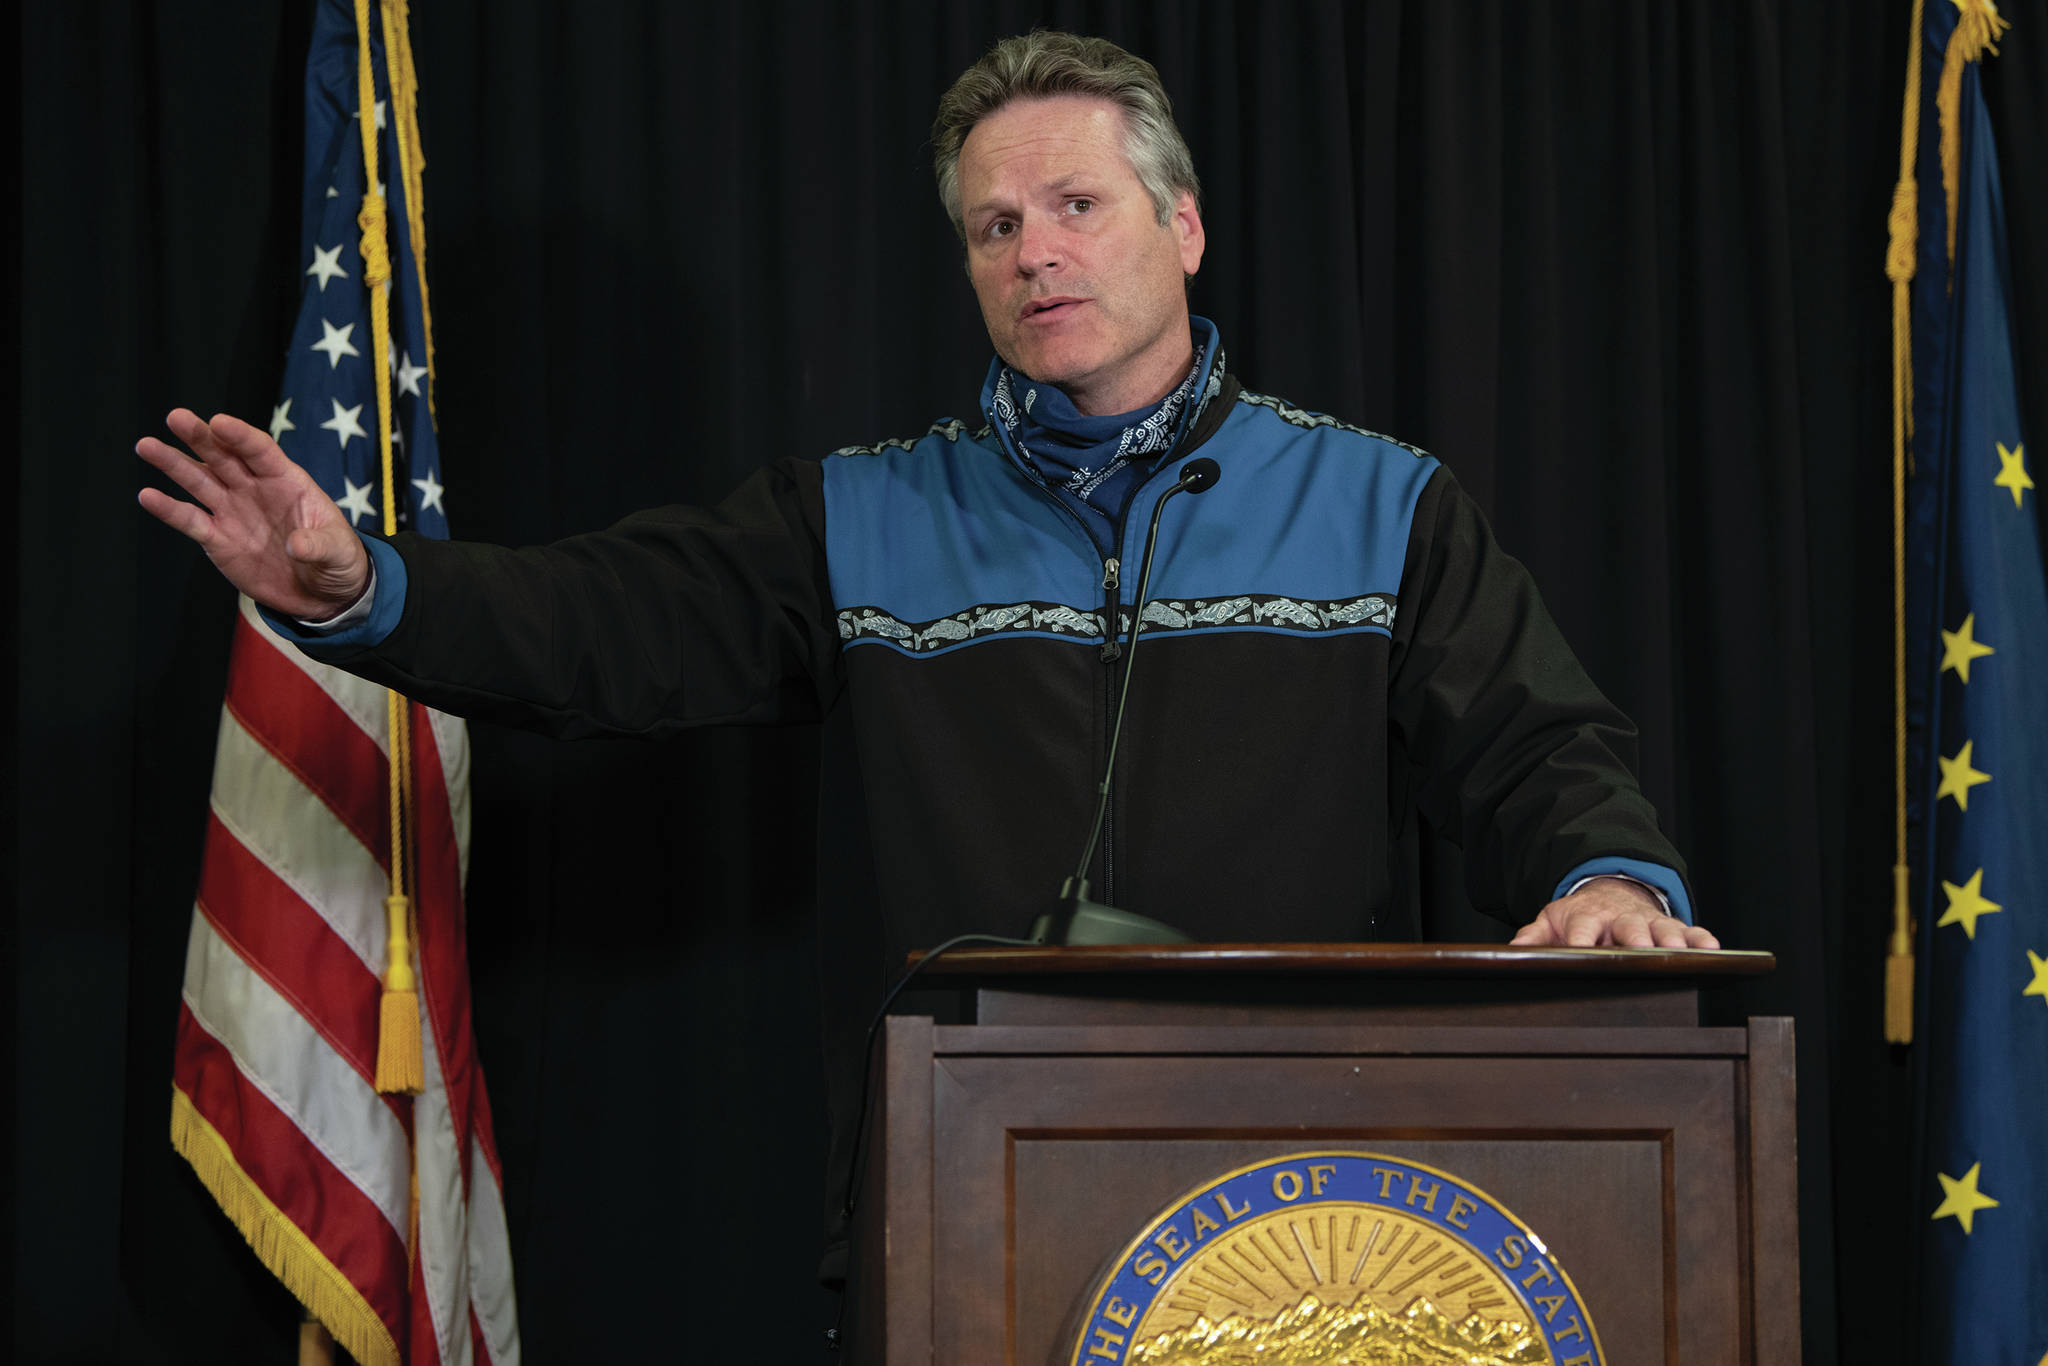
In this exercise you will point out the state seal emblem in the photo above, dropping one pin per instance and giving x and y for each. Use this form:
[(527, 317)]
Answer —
[(1341, 1259)]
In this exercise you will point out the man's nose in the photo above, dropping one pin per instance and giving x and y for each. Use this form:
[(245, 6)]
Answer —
[(1040, 245)]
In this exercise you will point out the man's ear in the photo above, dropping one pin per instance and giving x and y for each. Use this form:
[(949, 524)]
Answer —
[(1187, 230)]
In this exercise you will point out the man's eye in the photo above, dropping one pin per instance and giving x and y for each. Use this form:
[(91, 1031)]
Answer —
[(1080, 205), (1002, 227)]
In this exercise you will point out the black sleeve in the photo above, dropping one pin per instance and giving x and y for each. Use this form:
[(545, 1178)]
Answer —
[(1513, 753), (674, 617)]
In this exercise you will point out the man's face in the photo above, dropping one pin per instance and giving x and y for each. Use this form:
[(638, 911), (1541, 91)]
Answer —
[(1080, 284)]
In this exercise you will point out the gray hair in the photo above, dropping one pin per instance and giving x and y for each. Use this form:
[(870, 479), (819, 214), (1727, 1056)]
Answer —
[(1041, 64)]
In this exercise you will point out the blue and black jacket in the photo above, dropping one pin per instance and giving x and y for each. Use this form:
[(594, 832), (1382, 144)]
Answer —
[(1335, 646)]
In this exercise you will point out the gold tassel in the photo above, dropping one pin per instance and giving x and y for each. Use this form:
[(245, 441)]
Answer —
[(1898, 965), (400, 1069)]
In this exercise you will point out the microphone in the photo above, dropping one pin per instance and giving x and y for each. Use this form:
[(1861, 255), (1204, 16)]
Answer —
[(1197, 476), (1077, 919)]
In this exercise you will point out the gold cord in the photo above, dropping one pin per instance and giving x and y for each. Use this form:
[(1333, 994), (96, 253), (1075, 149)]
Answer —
[(1901, 255), (400, 1068), (412, 158)]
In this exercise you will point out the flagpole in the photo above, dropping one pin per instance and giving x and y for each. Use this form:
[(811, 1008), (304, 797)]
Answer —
[(1901, 256), (316, 1344)]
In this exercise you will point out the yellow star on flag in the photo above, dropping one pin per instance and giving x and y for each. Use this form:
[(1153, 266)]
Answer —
[(1958, 648), (1961, 1199), (1966, 903), (1957, 777), (2039, 986), (2012, 472)]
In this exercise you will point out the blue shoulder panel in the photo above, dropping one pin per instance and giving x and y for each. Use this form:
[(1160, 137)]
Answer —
[(926, 529), (1305, 508), (945, 541)]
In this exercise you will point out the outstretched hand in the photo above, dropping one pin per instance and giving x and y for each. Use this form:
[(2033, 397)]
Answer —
[(260, 518), (1611, 912)]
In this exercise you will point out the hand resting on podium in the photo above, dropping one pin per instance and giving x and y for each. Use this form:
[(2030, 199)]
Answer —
[(1611, 912)]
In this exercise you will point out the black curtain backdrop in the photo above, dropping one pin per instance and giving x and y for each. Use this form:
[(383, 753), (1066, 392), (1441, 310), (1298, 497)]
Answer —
[(1620, 265)]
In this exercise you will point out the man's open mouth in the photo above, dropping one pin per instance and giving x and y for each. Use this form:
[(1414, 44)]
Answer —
[(1038, 308)]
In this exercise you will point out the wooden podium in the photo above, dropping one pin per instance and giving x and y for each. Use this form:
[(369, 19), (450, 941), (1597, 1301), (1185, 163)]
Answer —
[(1011, 1159)]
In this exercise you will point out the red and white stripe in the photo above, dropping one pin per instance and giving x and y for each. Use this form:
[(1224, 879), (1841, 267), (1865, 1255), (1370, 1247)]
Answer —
[(277, 1035)]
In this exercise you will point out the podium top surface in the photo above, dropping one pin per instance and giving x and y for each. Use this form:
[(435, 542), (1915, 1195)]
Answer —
[(1358, 960)]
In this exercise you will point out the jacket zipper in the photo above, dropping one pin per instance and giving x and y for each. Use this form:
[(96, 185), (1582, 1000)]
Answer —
[(1112, 648), (1112, 651), (1112, 627)]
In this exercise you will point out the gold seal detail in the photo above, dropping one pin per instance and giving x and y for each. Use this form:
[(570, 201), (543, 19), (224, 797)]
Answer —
[(1337, 1282), (1336, 1258)]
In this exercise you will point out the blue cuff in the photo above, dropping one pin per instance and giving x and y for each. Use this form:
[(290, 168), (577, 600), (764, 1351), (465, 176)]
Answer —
[(387, 605), (1653, 874)]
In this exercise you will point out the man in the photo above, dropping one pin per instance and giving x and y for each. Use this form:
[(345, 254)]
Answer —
[(1333, 643), (1061, 167)]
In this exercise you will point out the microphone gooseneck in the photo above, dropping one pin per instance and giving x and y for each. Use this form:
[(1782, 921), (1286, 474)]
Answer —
[(1196, 476), (1078, 920)]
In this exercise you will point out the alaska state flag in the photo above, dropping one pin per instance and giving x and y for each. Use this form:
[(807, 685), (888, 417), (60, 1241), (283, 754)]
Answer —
[(1977, 629)]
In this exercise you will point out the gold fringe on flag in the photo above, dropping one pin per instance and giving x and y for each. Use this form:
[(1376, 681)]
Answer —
[(291, 1256), (400, 1067)]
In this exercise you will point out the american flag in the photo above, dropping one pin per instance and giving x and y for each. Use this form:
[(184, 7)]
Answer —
[(273, 1097)]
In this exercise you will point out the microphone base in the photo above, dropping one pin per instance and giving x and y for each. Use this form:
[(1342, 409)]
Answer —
[(1079, 921)]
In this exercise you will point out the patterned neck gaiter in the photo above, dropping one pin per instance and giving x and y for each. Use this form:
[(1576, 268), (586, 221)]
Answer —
[(1095, 463)]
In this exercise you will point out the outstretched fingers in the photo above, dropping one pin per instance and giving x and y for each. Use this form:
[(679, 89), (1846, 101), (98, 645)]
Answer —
[(228, 459), (191, 429), (235, 452), (194, 476), (208, 452), (187, 518), (250, 445), (193, 519)]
